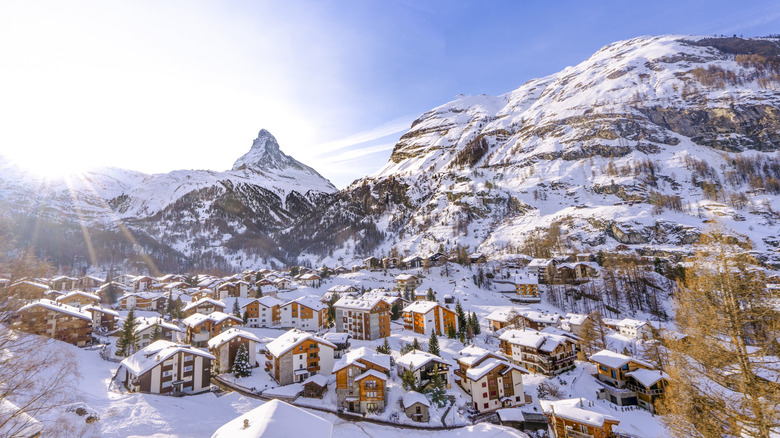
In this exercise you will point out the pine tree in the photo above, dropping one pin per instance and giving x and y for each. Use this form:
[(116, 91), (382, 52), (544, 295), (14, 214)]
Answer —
[(475, 324), (241, 365), (245, 317), (727, 316), (435, 388), (236, 309), (395, 311), (461, 317), (409, 381), (451, 333), (433, 344), (157, 333), (416, 345), (430, 296), (128, 340), (384, 348)]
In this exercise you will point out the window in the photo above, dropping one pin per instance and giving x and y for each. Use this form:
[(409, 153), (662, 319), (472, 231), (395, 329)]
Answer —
[(167, 373), (187, 357), (486, 405), (484, 395), (312, 355), (418, 410), (492, 393), (188, 368), (484, 384), (166, 384)]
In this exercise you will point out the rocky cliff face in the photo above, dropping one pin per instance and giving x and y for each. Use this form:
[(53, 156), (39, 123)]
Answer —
[(638, 145)]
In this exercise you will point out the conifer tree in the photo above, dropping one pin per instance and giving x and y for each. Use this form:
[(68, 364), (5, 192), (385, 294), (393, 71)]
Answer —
[(722, 381), (461, 317), (435, 388), (128, 340), (451, 333), (236, 309), (157, 333), (395, 311), (433, 344), (245, 317), (409, 381), (475, 324), (241, 365), (430, 296), (416, 345), (384, 348)]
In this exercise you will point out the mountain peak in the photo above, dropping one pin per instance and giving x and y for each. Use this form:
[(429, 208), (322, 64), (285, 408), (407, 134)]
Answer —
[(265, 154)]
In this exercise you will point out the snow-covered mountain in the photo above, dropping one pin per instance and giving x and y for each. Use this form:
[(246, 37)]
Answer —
[(193, 218), (638, 145)]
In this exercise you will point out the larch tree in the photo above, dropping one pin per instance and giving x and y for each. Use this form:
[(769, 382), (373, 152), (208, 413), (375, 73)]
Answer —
[(725, 373)]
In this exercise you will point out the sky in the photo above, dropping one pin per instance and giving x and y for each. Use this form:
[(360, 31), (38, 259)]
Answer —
[(160, 86)]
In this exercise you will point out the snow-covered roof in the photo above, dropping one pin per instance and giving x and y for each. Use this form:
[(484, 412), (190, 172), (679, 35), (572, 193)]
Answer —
[(372, 373), (269, 301), (58, 307), (157, 352), (308, 277), (543, 341), (473, 354), (78, 293), (310, 301), (648, 378), (318, 379), (276, 419), (93, 308), (614, 360), (336, 338), (631, 323), (539, 263), (360, 303), (505, 314), (578, 410), (405, 277), (365, 354), (412, 397), (415, 359), (229, 335), (63, 278), (341, 288), (576, 318), (539, 317), (216, 317), (17, 423), (479, 371), (291, 339), (421, 306), (204, 300), (145, 323)]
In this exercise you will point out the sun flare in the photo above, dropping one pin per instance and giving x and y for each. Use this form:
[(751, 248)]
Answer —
[(50, 165)]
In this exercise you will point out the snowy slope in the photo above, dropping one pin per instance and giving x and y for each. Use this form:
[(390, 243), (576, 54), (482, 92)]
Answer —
[(594, 148)]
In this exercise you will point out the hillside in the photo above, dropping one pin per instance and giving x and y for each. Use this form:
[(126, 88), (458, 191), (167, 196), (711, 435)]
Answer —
[(641, 145)]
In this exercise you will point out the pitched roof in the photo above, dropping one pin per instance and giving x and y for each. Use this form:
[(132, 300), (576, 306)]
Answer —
[(478, 371), (504, 314), (204, 300), (543, 341), (93, 308), (575, 410), (318, 379), (416, 359), (362, 353), (58, 307), (216, 317), (359, 303), (648, 378), (229, 335), (145, 323), (157, 352), (78, 293), (291, 339), (614, 360), (412, 397), (276, 419), (310, 301), (372, 373), (421, 306), (405, 277)]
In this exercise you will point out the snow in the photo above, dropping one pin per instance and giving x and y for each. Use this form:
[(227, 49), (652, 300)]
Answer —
[(413, 397), (372, 373), (648, 377), (276, 419), (421, 306), (58, 307), (614, 360), (229, 335), (579, 410), (157, 352), (365, 354), (289, 340), (416, 359)]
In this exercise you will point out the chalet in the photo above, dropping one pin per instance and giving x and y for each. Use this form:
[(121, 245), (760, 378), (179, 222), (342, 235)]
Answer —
[(203, 293), (340, 340), (576, 272), (203, 306), (344, 289), (166, 368), (412, 262), (126, 280), (328, 296), (263, 312), (340, 270), (363, 319), (427, 316), (389, 262), (225, 345), (275, 419), (540, 352), (282, 284), (175, 286), (305, 313), (238, 289), (577, 417), (573, 322), (544, 269), (372, 263), (416, 406), (626, 381), (436, 258), (116, 287), (407, 282), (361, 378), (315, 386), (477, 258), (89, 283), (103, 320), (527, 287), (58, 321), (296, 355), (503, 318), (28, 290), (538, 320), (311, 280), (201, 328), (143, 301), (634, 329), (492, 381), (146, 327), (63, 283), (424, 365), (142, 283), (171, 278), (78, 298), (210, 283)]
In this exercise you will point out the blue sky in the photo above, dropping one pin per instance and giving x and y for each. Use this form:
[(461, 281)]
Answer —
[(158, 86)]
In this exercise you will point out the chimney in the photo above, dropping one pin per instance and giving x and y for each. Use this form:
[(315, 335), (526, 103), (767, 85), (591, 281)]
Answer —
[(246, 423)]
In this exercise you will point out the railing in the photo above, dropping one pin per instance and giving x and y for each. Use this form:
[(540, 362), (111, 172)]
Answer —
[(645, 391), (615, 390), (576, 434)]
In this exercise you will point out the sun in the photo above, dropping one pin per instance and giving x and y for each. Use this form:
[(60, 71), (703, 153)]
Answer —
[(49, 164)]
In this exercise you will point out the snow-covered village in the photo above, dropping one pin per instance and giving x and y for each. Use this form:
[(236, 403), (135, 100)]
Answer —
[(314, 219)]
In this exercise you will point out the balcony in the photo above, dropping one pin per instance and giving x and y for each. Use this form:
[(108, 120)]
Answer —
[(576, 434), (620, 392)]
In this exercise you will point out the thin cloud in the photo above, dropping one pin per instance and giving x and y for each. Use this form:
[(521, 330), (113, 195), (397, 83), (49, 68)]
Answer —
[(396, 126)]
